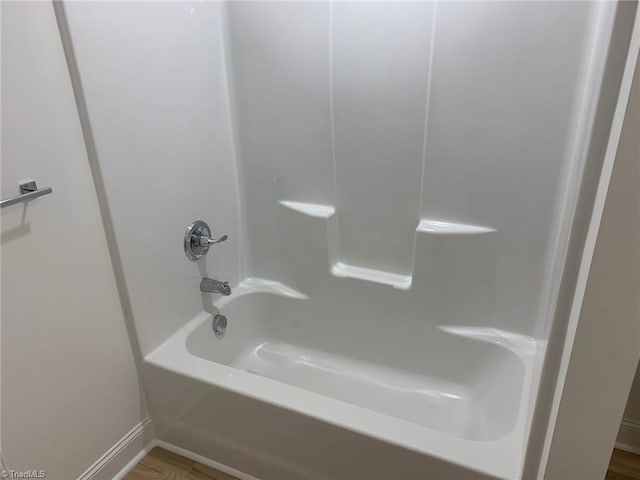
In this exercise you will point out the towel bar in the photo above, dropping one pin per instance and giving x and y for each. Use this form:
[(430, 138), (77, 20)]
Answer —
[(28, 191)]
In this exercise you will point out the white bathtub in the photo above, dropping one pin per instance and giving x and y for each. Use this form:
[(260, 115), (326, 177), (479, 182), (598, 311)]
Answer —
[(464, 401)]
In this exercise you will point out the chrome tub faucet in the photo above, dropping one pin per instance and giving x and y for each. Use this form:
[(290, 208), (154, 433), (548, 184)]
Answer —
[(209, 285)]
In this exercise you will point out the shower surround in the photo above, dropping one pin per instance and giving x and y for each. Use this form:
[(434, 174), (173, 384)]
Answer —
[(397, 180)]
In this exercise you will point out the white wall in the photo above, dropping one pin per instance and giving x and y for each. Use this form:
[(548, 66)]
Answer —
[(69, 384), (154, 81), (606, 348), (397, 112), (627, 218)]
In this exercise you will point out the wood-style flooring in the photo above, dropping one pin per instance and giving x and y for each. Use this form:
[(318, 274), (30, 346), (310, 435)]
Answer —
[(160, 464), (624, 466)]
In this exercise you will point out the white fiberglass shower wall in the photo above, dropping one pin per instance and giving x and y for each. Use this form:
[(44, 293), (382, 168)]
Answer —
[(397, 180), (411, 126)]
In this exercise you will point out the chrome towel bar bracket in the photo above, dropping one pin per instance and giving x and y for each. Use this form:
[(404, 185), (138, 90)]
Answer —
[(28, 191)]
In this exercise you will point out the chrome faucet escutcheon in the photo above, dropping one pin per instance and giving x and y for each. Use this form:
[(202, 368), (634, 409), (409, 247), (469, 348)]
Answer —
[(197, 240)]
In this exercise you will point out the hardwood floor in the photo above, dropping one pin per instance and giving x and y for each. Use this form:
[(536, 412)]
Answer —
[(624, 466), (160, 464)]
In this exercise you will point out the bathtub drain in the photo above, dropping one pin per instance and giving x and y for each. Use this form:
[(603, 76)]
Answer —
[(219, 325)]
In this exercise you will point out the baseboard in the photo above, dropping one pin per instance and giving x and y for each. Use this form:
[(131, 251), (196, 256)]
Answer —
[(204, 460), (138, 442), (123, 456), (629, 436)]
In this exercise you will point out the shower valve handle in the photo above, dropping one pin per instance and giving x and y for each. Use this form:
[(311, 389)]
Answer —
[(198, 239), (205, 241)]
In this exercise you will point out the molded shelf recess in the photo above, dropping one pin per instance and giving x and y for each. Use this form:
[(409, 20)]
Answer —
[(343, 270), (439, 227), (311, 209)]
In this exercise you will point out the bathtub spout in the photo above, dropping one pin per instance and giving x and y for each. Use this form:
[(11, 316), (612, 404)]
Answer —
[(214, 286)]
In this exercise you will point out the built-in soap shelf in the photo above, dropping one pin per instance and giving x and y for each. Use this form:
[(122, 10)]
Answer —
[(311, 209), (343, 270), (439, 227), (426, 227)]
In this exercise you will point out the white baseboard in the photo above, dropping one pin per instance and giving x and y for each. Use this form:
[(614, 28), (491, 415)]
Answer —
[(134, 461), (629, 436), (138, 442), (123, 456)]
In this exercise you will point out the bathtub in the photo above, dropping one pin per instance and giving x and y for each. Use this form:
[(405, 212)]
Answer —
[(455, 399)]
